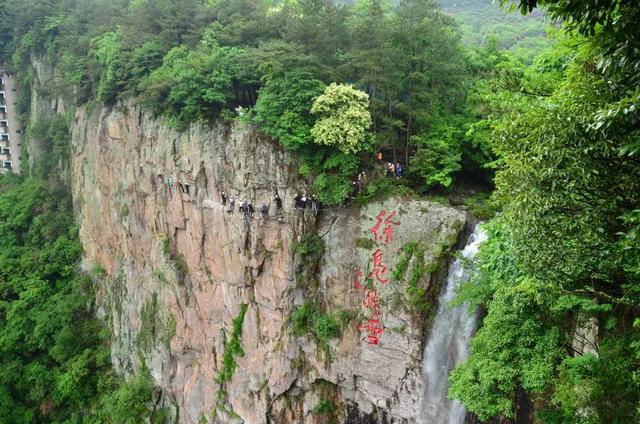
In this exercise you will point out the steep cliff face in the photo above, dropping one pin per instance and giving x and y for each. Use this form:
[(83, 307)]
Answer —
[(175, 270), (45, 101)]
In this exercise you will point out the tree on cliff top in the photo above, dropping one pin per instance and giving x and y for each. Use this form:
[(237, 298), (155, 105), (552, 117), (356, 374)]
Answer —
[(344, 118), (282, 109)]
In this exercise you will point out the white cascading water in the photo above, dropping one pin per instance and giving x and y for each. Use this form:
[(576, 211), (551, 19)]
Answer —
[(448, 343)]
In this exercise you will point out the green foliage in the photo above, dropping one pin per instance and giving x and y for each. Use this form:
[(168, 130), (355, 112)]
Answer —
[(327, 328), (53, 351), (383, 187), (565, 244), (344, 118), (109, 55), (414, 254), (53, 136), (483, 22), (481, 206), (283, 107), (323, 407), (302, 319), (232, 350), (127, 402), (389, 71), (174, 257), (400, 270), (283, 112), (610, 24), (377, 188), (416, 294), (194, 85), (333, 173), (439, 154), (308, 320), (514, 347), (310, 249), (149, 331), (181, 265), (365, 243)]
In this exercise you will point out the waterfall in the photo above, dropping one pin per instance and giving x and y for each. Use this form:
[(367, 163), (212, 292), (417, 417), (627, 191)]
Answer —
[(448, 343)]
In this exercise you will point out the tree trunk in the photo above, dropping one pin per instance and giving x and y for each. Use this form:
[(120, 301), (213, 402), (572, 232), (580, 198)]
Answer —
[(406, 143)]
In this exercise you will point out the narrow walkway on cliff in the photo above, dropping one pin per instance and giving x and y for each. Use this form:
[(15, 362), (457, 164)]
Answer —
[(10, 132)]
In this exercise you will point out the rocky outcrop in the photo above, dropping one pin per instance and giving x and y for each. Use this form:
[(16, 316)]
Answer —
[(46, 101), (174, 270)]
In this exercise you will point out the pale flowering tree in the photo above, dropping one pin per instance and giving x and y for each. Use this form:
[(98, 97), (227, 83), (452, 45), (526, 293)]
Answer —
[(343, 118)]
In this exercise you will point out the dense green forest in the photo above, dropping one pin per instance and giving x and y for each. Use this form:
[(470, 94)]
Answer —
[(553, 126), (265, 63)]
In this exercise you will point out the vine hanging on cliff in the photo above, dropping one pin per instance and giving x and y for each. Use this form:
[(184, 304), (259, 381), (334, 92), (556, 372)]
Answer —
[(232, 350)]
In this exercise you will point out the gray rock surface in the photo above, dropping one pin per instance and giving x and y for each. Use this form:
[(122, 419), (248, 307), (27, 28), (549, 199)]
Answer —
[(178, 267)]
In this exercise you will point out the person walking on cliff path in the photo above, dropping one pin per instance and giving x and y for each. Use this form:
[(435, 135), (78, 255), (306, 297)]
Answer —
[(314, 204), (232, 203), (278, 201), (223, 195), (398, 170), (264, 210), (241, 207), (303, 202), (249, 209), (297, 201), (169, 185)]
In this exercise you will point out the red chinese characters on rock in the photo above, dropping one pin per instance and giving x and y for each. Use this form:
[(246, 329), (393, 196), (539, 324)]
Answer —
[(374, 325), (358, 275), (372, 301), (379, 270), (374, 328), (383, 231), (387, 231)]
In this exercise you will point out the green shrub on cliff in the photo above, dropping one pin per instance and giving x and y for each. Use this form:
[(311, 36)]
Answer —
[(232, 350), (327, 328), (307, 319)]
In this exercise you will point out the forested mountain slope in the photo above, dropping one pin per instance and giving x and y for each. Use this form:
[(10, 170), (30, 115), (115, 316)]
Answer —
[(483, 21)]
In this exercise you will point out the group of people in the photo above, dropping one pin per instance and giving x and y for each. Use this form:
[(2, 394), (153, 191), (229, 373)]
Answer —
[(170, 182), (303, 202), (359, 183), (393, 169), (246, 206)]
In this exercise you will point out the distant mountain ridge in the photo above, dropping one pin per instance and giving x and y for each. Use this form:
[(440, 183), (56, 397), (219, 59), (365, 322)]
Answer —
[(481, 20)]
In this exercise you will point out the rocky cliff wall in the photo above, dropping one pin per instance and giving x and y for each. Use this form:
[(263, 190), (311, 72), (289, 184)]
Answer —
[(46, 101), (174, 270)]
